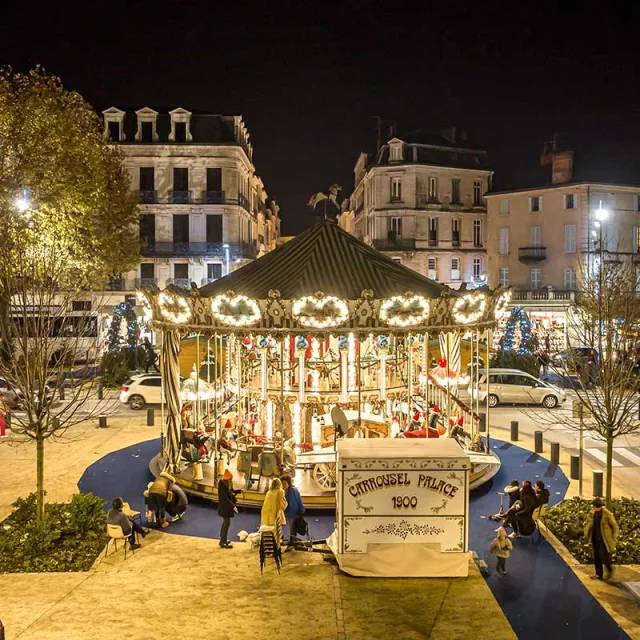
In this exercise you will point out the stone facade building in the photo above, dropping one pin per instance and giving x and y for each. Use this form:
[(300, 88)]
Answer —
[(203, 209), (420, 200)]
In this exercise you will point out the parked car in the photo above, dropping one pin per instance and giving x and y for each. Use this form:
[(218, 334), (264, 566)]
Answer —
[(568, 359), (143, 389), (512, 386), (13, 396)]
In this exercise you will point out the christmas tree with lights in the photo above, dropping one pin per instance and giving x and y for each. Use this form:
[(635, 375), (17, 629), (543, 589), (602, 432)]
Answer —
[(517, 335), (123, 331)]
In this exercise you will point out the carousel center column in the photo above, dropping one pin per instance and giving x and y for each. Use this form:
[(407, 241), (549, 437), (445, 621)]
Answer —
[(171, 375)]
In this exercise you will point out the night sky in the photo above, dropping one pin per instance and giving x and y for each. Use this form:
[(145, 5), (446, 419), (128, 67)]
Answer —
[(310, 77)]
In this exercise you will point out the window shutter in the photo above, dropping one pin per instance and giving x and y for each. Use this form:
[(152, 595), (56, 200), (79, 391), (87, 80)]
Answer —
[(530, 204), (540, 203), (635, 237)]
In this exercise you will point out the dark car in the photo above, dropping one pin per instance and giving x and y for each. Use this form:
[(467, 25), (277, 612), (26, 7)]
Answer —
[(13, 396)]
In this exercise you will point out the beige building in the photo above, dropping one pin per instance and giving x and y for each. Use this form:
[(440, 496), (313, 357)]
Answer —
[(203, 208), (420, 200), (540, 239)]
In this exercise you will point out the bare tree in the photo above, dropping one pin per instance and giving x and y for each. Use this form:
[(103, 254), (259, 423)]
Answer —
[(47, 336), (600, 364)]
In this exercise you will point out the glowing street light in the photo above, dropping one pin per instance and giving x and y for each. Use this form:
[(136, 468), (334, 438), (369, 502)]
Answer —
[(602, 214), (22, 204)]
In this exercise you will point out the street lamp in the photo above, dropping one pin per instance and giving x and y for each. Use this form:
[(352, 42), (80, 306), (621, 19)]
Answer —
[(226, 256), (22, 202)]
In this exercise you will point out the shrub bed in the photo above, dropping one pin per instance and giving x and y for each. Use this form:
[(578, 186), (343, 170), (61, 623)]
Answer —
[(566, 521), (70, 538)]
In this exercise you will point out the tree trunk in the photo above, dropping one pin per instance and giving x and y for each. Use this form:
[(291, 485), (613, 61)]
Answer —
[(609, 475), (39, 479)]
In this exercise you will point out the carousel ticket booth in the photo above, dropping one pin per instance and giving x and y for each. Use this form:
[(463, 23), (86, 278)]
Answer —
[(402, 508), (322, 321)]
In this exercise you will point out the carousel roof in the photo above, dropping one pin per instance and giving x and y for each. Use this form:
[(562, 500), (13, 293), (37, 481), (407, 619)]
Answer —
[(325, 258)]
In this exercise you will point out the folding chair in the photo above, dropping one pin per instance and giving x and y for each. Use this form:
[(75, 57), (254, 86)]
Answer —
[(115, 533), (269, 548)]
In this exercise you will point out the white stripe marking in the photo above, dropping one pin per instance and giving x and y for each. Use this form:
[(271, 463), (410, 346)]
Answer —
[(625, 453), (601, 455)]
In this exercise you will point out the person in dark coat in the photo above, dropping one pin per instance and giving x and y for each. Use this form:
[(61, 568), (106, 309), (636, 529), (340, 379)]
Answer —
[(601, 529), (226, 506), (513, 492), (128, 525), (178, 505), (152, 356), (521, 520), (542, 493), (295, 506)]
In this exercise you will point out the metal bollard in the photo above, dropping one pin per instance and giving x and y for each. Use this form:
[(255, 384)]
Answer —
[(537, 438), (575, 467), (1, 630), (61, 390), (555, 453), (483, 422), (100, 391), (514, 431), (598, 484), (102, 422), (151, 417)]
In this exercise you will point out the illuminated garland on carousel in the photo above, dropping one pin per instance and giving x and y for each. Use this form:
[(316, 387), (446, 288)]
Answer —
[(469, 308), (174, 308), (400, 311), (324, 312), (238, 311)]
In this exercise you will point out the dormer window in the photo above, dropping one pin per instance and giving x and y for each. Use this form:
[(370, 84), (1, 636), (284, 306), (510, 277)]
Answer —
[(147, 130), (395, 150), (113, 124), (180, 125)]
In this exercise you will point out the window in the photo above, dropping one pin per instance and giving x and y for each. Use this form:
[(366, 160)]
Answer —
[(503, 249), (455, 268), (148, 229), (477, 268), (395, 228), (396, 152), (611, 231), (152, 382), (535, 236), (570, 238), (455, 232), (536, 278), (637, 282), (214, 228), (181, 228), (147, 271), (147, 179), (432, 267), (636, 203), (535, 203), (477, 233), (569, 279), (214, 271), (181, 179), (396, 188), (397, 259), (180, 131), (146, 131), (181, 271), (214, 179), (477, 193), (504, 205), (569, 201), (455, 191), (636, 239), (81, 305), (114, 130), (433, 189), (433, 232), (504, 277)]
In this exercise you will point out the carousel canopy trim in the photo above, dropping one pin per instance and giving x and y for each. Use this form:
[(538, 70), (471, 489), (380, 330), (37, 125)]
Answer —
[(325, 258)]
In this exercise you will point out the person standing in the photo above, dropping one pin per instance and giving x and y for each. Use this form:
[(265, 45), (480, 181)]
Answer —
[(295, 506), (273, 508), (501, 546), (226, 506), (4, 411), (152, 356), (601, 529)]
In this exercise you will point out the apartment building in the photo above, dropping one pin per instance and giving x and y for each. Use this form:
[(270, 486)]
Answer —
[(420, 200), (204, 210)]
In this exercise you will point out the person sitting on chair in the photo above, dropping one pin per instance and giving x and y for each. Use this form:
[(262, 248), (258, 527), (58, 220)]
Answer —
[(128, 525)]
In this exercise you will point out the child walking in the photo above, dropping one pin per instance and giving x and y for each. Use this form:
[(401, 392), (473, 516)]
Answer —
[(501, 546)]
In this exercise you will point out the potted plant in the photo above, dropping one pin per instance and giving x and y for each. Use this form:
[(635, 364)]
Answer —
[(193, 456)]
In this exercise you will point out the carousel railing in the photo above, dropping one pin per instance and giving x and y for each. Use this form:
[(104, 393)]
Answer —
[(445, 398)]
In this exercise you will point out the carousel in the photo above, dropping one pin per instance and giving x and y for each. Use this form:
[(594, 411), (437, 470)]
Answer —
[(321, 339)]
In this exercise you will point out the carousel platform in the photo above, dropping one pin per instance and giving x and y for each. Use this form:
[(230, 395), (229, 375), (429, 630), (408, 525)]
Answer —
[(312, 495), (485, 467)]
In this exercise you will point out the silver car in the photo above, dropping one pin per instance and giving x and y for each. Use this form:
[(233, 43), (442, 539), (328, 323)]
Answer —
[(512, 386)]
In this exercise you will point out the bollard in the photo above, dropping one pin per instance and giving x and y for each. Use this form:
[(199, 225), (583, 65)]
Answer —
[(100, 391), (514, 431), (555, 453), (7, 421), (151, 419), (55, 423), (102, 422), (483, 422), (62, 388), (575, 467), (597, 484), (1, 630), (537, 437)]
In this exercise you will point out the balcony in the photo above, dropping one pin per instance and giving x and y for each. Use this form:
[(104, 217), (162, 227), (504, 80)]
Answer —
[(547, 295), (394, 244), (179, 197), (243, 201), (183, 283), (433, 240), (146, 282), (190, 249), (455, 239), (115, 284), (532, 254), (213, 197), (147, 197)]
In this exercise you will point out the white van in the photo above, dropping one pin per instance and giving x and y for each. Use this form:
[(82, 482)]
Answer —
[(512, 386)]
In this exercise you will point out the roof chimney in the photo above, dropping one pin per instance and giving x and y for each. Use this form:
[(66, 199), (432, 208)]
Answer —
[(561, 161), (449, 134)]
